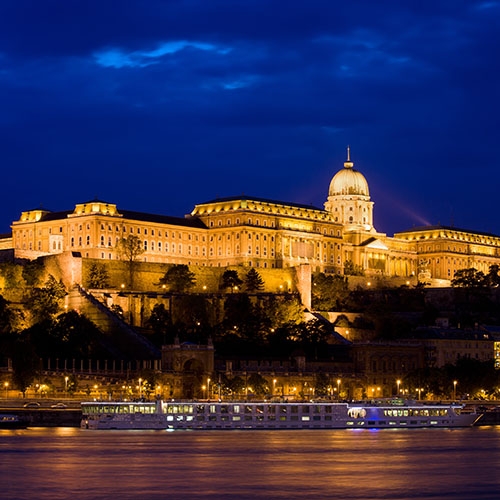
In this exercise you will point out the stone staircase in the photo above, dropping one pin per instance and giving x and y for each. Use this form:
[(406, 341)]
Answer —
[(118, 337)]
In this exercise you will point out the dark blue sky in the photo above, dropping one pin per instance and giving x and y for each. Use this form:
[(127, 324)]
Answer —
[(159, 105)]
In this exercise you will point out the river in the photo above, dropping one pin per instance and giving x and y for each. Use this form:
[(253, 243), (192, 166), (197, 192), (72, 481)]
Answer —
[(70, 463)]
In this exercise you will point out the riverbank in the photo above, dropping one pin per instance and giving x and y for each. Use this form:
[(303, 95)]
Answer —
[(47, 417)]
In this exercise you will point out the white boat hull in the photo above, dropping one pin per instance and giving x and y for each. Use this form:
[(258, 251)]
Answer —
[(265, 415)]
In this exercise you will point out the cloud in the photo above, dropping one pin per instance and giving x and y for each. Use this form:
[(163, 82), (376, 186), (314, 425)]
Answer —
[(118, 58)]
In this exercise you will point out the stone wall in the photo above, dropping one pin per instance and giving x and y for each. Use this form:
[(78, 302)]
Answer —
[(148, 274)]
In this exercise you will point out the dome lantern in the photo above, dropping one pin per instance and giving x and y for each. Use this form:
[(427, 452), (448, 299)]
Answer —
[(348, 181)]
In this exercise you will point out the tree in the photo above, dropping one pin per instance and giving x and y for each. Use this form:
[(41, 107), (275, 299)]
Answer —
[(253, 281), (11, 273), (321, 383), (129, 249), (231, 280), (6, 317), (70, 335), (351, 269), (32, 272), (236, 385), (178, 279), (98, 276), (161, 323), (285, 309), (258, 384), (77, 336), (329, 292), (44, 302), (25, 365), (238, 314), (493, 277), (468, 278)]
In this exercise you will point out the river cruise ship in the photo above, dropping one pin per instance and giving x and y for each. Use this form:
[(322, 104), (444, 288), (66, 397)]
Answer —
[(198, 415)]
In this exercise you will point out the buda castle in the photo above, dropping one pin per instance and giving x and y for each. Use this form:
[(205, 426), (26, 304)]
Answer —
[(262, 233)]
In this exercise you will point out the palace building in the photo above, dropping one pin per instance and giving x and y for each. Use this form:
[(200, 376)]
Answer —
[(262, 233)]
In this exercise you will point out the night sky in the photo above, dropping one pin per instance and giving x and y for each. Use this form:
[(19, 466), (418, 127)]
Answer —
[(159, 105)]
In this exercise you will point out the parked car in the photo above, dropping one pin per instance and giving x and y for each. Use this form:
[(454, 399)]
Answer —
[(59, 405), (32, 404)]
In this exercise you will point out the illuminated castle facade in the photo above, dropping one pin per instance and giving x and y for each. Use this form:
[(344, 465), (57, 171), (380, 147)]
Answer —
[(263, 233)]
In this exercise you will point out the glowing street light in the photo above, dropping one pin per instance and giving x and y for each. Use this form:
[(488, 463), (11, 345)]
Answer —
[(454, 390), (274, 386), (6, 385), (338, 388), (208, 388), (399, 383), (66, 385)]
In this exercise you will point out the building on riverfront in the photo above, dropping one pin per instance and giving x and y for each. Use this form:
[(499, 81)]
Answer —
[(261, 233)]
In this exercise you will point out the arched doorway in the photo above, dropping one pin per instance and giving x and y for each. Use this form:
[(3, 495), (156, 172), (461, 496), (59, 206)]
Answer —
[(193, 372)]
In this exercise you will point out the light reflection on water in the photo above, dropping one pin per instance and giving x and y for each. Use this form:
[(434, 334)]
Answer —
[(391, 464)]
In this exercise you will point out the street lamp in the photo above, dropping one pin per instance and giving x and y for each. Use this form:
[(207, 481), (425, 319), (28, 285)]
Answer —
[(66, 386), (399, 383), (208, 388), (6, 385), (274, 386), (454, 390), (338, 388)]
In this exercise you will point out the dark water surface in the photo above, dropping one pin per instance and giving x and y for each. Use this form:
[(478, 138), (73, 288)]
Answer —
[(69, 463)]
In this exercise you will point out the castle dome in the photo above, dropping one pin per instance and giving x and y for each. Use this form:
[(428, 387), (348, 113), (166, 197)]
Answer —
[(348, 181)]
